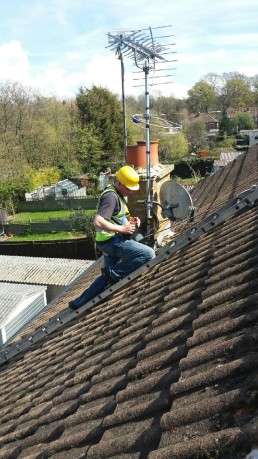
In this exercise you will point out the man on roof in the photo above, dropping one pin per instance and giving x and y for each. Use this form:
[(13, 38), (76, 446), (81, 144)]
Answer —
[(114, 229)]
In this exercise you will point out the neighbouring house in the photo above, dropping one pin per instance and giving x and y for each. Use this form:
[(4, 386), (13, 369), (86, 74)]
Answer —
[(225, 158), (55, 273), (105, 180), (212, 133), (163, 364), (3, 215), (63, 189), (19, 303), (83, 180), (28, 284), (210, 122), (3, 220), (251, 135), (253, 111)]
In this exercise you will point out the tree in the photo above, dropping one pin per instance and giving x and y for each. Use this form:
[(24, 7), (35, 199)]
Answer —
[(225, 126), (195, 133), (215, 80), (172, 148), (236, 93), (201, 97), (46, 176), (100, 108), (7, 190), (242, 121), (254, 86), (34, 129), (90, 148)]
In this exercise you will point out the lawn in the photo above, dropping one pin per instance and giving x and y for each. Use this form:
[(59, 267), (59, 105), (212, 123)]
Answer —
[(28, 217), (46, 237)]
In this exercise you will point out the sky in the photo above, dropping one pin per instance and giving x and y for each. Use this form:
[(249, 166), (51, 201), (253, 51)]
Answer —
[(58, 46)]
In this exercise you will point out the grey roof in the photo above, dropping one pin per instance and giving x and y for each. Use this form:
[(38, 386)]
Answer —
[(37, 270), (11, 296), (226, 157)]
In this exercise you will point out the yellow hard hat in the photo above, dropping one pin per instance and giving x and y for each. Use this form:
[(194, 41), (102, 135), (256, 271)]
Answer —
[(128, 177)]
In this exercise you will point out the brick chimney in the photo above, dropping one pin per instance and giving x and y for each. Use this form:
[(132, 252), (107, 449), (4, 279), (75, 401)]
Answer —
[(159, 174)]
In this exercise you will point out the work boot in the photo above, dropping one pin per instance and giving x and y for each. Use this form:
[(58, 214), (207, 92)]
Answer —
[(106, 274), (75, 305)]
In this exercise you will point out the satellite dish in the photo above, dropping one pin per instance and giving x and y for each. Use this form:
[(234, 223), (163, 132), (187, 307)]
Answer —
[(175, 198)]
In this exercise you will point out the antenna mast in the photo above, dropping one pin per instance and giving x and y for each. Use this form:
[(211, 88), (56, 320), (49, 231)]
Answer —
[(147, 52)]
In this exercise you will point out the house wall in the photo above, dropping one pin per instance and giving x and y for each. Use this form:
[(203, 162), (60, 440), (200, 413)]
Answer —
[(252, 134), (21, 315), (3, 215)]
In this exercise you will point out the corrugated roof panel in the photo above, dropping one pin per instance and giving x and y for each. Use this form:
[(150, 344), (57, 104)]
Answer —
[(24, 316), (37, 270), (229, 156), (11, 295)]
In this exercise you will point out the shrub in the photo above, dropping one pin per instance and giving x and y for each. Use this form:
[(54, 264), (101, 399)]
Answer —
[(83, 223), (186, 168)]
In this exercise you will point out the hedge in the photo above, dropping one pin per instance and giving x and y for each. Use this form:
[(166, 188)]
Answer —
[(184, 167)]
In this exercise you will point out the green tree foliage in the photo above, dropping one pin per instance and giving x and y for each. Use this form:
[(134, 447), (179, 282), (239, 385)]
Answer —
[(134, 132), (33, 129), (201, 97), (45, 176), (90, 147), (195, 132), (225, 125), (242, 121), (192, 167), (100, 108), (83, 223), (254, 87), (172, 148), (167, 107), (7, 192), (237, 93), (227, 142)]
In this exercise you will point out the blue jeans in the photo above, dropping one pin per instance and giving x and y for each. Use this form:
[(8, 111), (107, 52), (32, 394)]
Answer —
[(121, 257)]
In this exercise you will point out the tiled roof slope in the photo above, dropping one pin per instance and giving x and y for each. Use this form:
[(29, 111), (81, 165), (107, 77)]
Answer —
[(164, 368), (216, 190)]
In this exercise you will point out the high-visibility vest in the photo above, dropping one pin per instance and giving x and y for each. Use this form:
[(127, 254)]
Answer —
[(118, 219)]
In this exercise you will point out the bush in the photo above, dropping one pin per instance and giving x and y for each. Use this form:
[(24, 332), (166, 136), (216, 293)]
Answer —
[(200, 166), (83, 223)]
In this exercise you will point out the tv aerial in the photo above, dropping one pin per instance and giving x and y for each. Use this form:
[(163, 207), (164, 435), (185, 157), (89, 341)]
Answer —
[(160, 122), (150, 54)]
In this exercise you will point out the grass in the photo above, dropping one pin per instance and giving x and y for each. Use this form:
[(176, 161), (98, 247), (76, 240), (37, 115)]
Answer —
[(28, 217), (47, 237), (190, 180)]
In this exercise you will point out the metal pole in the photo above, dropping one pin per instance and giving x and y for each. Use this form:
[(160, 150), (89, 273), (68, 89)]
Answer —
[(123, 104), (148, 182)]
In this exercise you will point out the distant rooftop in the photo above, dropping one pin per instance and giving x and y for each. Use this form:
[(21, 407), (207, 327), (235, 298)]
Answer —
[(41, 271)]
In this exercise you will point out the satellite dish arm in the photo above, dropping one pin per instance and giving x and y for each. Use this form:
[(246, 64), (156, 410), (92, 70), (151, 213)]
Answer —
[(167, 212)]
